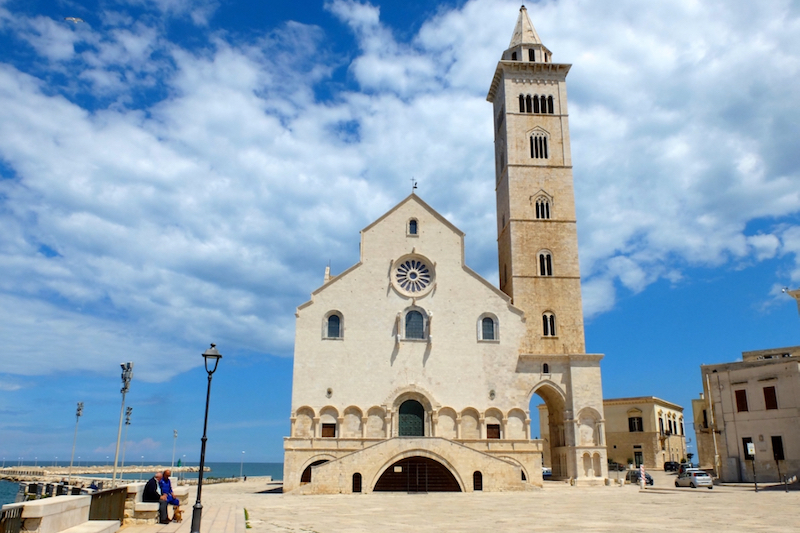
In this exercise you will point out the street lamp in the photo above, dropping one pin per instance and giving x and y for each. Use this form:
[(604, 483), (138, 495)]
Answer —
[(127, 374), (74, 440), (174, 442), (211, 356), (128, 412)]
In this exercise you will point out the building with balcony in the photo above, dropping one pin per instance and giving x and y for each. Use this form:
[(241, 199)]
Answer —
[(644, 430), (748, 415)]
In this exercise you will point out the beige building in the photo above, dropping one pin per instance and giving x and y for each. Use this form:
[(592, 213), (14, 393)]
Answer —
[(413, 373), (751, 406), (644, 430)]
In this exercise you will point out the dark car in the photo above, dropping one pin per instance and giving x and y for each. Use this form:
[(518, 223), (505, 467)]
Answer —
[(616, 467), (633, 477), (671, 466)]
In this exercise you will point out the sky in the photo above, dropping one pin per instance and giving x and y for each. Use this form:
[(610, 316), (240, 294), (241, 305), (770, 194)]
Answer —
[(175, 173)]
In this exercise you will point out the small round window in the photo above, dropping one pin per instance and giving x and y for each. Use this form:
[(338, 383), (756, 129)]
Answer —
[(413, 275)]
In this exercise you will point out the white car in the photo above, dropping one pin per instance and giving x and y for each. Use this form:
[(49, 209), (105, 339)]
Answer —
[(694, 478)]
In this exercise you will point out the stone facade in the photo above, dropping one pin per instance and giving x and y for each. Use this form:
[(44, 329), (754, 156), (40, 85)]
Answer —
[(753, 401), (410, 362), (644, 430)]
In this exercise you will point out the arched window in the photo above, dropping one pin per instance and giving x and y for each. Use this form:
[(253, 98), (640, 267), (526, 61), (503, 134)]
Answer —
[(412, 227), (539, 146), (545, 264), (522, 103), (477, 481), (528, 103), (545, 368), (550, 105), (549, 324), (415, 325), (542, 208), (357, 482), (535, 104), (531, 55), (488, 332), (334, 329), (543, 103)]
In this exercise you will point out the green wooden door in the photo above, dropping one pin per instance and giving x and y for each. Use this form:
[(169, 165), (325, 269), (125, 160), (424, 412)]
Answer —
[(412, 419)]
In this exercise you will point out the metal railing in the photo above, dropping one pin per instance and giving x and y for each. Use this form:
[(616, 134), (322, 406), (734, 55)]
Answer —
[(108, 504), (11, 520)]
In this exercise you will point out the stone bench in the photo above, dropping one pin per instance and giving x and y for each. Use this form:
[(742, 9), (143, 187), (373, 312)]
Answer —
[(62, 514), (141, 512)]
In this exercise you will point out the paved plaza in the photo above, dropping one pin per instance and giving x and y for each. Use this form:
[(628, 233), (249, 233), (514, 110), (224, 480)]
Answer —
[(555, 507)]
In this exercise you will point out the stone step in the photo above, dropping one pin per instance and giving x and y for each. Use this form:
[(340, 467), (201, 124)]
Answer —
[(95, 526)]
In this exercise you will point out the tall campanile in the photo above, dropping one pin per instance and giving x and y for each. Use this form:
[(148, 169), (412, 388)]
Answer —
[(536, 228)]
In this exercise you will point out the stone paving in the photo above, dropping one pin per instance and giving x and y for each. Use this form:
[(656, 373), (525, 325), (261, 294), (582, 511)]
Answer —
[(557, 506)]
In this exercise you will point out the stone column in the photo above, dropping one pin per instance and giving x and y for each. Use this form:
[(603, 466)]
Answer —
[(528, 428), (482, 424), (339, 427), (503, 424), (364, 420), (317, 428), (388, 424), (458, 425), (292, 420)]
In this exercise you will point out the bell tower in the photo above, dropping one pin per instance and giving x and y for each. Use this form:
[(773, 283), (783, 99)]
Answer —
[(536, 229)]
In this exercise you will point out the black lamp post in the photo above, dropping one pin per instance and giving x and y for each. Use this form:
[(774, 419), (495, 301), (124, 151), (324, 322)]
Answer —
[(213, 356)]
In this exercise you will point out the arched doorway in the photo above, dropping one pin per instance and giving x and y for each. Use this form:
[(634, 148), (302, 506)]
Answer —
[(550, 427), (306, 476), (412, 419), (417, 474)]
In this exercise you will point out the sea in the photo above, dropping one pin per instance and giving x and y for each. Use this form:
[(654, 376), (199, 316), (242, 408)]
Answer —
[(8, 489)]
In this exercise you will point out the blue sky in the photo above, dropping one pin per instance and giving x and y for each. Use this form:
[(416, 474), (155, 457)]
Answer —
[(176, 172)]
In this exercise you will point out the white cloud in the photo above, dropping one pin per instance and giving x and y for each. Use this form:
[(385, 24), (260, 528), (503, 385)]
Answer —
[(211, 213)]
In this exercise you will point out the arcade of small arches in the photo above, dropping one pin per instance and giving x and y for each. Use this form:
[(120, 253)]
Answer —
[(411, 419)]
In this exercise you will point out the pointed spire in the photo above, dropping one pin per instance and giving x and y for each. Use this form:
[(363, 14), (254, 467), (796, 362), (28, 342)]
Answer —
[(524, 32)]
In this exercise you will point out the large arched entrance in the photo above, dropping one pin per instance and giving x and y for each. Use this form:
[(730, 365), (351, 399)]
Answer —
[(306, 476), (412, 419), (550, 428), (417, 474)]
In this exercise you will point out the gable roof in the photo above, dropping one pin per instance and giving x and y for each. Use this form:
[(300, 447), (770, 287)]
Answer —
[(413, 197)]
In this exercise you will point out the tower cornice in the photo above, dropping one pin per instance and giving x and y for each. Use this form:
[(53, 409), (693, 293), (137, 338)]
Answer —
[(554, 71)]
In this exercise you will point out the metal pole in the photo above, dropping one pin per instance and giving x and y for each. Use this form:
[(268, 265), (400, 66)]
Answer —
[(174, 441), (241, 464), (128, 412), (198, 507), (713, 428), (127, 374), (755, 480), (78, 414)]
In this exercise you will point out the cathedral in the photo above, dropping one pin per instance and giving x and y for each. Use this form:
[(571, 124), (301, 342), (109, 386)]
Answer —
[(413, 373)]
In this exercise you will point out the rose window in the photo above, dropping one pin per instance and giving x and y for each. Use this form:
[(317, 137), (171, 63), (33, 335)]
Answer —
[(413, 275)]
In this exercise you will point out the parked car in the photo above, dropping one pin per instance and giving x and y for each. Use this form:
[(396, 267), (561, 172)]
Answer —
[(633, 477), (694, 478), (547, 472), (671, 466), (613, 466)]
